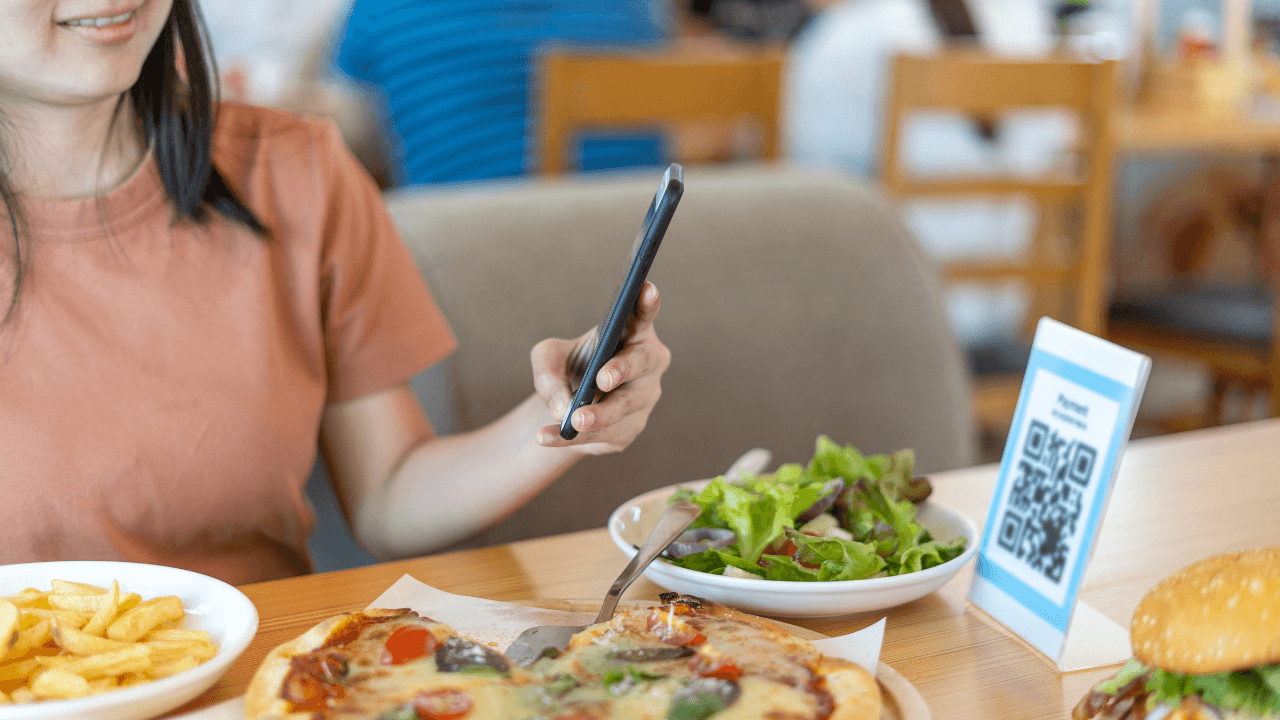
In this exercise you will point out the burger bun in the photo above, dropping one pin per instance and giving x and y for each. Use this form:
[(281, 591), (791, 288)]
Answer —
[(1221, 614)]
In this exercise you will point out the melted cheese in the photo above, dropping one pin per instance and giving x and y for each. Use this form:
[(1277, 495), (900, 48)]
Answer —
[(777, 680)]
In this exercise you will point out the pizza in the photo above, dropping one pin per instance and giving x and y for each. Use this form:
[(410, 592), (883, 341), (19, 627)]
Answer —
[(683, 659)]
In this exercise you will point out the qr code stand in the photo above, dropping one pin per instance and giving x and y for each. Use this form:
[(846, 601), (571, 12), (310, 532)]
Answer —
[(1042, 517)]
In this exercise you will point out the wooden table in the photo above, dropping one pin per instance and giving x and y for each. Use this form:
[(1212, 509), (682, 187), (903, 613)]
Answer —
[(1143, 130), (1178, 498)]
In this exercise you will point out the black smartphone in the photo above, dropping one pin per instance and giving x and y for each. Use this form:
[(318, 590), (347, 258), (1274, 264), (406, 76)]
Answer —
[(611, 332)]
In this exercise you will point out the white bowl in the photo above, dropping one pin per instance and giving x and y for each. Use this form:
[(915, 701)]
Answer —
[(224, 612), (631, 523)]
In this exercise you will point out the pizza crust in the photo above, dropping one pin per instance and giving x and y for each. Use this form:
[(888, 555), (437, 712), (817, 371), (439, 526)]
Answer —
[(855, 691), (262, 700)]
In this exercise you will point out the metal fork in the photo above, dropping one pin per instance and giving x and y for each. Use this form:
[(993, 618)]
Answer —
[(536, 641)]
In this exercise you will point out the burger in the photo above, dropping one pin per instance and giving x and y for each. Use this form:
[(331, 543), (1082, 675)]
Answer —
[(1206, 646)]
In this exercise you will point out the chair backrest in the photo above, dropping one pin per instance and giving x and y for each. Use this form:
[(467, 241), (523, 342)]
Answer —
[(794, 304), (591, 91), (985, 87)]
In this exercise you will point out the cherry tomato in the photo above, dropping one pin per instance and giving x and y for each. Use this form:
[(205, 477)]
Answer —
[(408, 643), (673, 630), (442, 704), (722, 668), (727, 671)]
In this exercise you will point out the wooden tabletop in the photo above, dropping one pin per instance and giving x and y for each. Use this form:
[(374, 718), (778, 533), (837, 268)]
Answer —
[(1178, 498), (1144, 130)]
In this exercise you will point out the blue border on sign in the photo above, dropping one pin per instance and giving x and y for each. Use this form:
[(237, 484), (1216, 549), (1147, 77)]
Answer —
[(1059, 616)]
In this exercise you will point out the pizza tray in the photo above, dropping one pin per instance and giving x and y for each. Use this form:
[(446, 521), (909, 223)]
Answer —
[(902, 701)]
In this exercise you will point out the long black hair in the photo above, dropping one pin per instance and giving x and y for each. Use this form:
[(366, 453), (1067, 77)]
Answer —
[(175, 104)]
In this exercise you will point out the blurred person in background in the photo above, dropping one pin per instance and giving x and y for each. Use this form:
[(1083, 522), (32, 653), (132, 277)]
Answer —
[(456, 78), (265, 49), (753, 20), (195, 296), (835, 103), (277, 53)]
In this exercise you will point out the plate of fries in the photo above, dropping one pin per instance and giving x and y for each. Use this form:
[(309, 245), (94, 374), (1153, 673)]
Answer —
[(113, 640)]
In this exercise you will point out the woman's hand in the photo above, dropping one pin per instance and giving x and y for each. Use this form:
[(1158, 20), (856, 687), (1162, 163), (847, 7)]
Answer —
[(632, 380)]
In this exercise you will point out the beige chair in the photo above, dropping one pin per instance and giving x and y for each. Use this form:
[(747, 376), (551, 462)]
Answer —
[(794, 304), (687, 92)]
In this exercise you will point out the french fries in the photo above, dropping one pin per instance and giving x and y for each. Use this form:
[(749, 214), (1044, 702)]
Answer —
[(77, 639), (10, 625)]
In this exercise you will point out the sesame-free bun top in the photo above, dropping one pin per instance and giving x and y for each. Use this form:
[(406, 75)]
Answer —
[(1221, 614)]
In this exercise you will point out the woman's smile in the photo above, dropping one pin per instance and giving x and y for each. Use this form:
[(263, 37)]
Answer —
[(108, 27)]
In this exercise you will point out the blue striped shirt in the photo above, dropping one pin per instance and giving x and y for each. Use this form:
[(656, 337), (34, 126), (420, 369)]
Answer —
[(456, 78)]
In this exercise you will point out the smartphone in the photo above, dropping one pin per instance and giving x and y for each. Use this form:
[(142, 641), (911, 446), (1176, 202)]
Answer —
[(611, 332)]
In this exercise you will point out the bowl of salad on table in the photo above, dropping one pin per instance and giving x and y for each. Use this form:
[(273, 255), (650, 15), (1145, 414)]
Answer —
[(844, 533)]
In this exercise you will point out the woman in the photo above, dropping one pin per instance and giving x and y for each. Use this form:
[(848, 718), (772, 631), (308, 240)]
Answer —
[(190, 307)]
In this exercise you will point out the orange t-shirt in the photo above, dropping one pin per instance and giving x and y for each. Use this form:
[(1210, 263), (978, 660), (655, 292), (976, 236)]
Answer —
[(162, 383)]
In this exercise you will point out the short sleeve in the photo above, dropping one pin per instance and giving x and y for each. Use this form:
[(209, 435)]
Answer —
[(381, 325)]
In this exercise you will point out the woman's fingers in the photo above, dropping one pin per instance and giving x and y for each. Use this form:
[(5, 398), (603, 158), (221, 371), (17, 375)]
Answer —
[(549, 377), (602, 435), (632, 363), (643, 353), (632, 379), (619, 404), (647, 306)]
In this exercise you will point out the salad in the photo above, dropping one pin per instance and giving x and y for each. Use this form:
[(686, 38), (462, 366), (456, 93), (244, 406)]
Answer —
[(844, 516)]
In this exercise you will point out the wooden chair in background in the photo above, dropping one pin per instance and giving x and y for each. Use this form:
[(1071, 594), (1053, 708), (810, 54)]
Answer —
[(985, 88), (1230, 331), (716, 88), (1202, 293)]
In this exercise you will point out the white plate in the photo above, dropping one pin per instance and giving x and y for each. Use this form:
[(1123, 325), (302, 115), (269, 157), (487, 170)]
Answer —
[(631, 523), (212, 605)]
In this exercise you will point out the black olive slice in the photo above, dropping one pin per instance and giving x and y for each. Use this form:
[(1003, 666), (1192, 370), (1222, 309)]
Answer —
[(652, 654), (673, 598), (458, 655)]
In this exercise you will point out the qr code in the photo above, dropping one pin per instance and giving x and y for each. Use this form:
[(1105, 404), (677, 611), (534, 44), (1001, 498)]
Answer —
[(1047, 497)]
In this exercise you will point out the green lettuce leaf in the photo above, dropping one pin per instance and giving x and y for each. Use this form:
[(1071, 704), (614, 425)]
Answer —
[(758, 511), (791, 474), (1251, 690), (853, 560), (762, 510), (1130, 671), (783, 567), (832, 461), (757, 519), (1270, 674), (928, 554)]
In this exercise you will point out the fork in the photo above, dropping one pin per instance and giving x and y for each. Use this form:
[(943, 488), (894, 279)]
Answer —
[(536, 641)]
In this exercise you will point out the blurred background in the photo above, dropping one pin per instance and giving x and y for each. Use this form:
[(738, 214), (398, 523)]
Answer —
[(1104, 162)]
